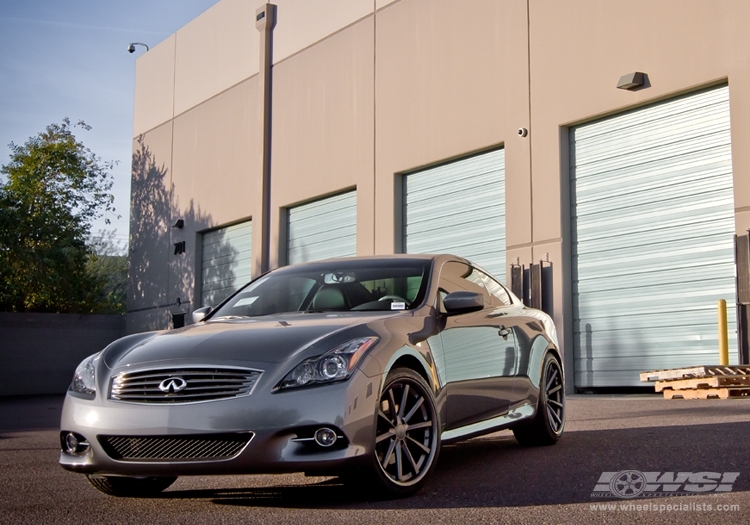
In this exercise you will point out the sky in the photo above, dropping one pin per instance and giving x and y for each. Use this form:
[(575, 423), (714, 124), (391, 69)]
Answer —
[(69, 58)]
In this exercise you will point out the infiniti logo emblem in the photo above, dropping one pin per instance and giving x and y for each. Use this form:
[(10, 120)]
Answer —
[(172, 385)]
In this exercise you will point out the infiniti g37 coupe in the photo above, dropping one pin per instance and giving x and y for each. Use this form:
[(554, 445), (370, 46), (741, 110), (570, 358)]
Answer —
[(356, 367)]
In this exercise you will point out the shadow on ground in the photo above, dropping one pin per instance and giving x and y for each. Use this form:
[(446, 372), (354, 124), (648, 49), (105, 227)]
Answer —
[(497, 472), (493, 471)]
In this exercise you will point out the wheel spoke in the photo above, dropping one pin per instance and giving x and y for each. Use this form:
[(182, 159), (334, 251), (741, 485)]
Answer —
[(551, 418), (416, 406), (554, 416), (382, 414), (399, 463), (551, 379), (553, 390), (394, 414), (404, 398), (420, 445), (387, 435), (423, 424), (556, 403), (388, 454), (414, 466)]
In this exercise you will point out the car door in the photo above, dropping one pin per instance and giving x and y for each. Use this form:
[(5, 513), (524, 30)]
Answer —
[(478, 352)]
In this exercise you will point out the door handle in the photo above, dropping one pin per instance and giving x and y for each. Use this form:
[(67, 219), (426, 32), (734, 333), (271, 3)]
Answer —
[(503, 332)]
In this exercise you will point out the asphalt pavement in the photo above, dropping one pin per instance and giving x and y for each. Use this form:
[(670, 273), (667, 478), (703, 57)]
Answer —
[(487, 480)]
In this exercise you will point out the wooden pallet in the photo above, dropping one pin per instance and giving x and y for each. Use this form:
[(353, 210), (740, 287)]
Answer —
[(706, 393), (695, 372), (703, 382)]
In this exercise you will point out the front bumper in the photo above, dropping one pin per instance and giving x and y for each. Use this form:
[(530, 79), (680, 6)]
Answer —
[(276, 422)]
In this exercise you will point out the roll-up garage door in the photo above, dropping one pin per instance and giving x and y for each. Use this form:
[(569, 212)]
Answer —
[(323, 229), (459, 208), (226, 261), (652, 226)]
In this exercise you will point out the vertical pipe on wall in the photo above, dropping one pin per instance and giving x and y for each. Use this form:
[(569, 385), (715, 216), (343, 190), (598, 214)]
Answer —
[(265, 21), (531, 142), (723, 334)]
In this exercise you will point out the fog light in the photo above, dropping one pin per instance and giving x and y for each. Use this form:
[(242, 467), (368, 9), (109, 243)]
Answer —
[(74, 443), (325, 437)]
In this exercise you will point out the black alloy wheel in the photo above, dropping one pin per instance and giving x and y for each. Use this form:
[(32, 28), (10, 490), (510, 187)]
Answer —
[(549, 422), (407, 443)]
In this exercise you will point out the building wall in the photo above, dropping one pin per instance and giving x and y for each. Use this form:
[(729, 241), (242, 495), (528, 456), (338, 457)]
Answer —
[(365, 90), (323, 125)]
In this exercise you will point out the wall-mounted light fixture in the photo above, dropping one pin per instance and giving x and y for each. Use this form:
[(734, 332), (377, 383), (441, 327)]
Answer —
[(632, 81), (179, 223)]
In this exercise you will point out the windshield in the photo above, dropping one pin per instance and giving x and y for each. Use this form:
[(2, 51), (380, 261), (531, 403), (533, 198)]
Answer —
[(339, 286)]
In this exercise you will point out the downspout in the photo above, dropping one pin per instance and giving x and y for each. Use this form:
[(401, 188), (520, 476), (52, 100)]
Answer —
[(265, 21)]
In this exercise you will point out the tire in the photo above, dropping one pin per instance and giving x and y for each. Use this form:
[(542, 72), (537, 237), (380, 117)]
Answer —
[(407, 442), (130, 487), (549, 422)]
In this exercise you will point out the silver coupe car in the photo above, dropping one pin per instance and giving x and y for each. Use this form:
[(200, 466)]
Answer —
[(356, 367)]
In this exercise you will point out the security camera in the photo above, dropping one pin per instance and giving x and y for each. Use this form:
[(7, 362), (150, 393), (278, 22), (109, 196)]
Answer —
[(131, 46), (522, 132)]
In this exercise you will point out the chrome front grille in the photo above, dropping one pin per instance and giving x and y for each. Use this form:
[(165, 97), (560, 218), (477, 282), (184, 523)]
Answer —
[(182, 385), (174, 448)]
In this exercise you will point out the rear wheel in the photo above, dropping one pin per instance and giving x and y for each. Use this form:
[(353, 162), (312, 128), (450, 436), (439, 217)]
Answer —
[(130, 487), (549, 421), (407, 443)]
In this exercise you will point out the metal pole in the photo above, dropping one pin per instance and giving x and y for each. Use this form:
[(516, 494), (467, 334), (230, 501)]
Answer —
[(723, 335)]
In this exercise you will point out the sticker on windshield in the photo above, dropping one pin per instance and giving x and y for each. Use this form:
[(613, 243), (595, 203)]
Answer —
[(246, 301), (398, 306)]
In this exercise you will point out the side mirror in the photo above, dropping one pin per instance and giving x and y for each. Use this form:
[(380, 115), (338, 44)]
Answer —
[(200, 314), (463, 302)]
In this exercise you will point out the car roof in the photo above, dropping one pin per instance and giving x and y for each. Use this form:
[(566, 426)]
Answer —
[(364, 259)]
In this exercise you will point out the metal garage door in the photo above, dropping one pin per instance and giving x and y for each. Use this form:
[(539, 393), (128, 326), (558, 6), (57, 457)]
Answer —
[(652, 226), (226, 262), (323, 229), (459, 208)]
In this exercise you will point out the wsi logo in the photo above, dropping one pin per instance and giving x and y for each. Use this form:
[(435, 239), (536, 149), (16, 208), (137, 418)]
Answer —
[(634, 483)]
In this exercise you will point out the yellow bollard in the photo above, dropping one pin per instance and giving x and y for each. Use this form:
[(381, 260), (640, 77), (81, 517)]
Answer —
[(723, 335)]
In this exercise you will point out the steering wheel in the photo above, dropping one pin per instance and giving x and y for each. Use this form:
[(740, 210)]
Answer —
[(395, 298)]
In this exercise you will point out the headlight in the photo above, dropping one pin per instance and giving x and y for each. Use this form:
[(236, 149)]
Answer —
[(334, 365), (84, 379)]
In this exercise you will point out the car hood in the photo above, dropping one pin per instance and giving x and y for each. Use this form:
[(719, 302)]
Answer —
[(262, 340)]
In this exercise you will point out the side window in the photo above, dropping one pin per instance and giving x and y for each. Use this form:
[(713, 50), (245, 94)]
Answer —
[(456, 276), (491, 285)]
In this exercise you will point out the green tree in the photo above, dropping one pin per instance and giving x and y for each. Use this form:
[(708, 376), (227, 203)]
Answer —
[(54, 188), (108, 266)]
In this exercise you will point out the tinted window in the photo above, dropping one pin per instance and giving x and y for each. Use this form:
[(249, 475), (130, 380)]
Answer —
[(456, 276), (494, 288)]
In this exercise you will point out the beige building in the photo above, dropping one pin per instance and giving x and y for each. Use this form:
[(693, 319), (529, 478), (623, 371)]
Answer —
[(493, 129)]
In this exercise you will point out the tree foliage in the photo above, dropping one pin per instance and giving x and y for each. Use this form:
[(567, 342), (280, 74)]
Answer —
[(54, 188), (108, 266)]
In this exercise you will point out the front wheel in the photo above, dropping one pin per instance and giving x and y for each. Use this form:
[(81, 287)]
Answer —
[(130, 487), (549, 421), (407, 442)]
